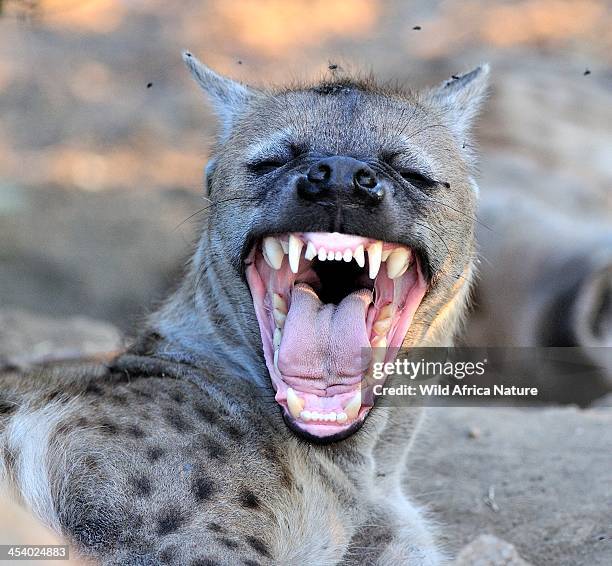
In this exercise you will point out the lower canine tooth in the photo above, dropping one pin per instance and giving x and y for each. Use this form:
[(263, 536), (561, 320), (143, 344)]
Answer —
[(273, 252), (295, 250), (294, 403), (374, 258), (352, 409), (397, 263)]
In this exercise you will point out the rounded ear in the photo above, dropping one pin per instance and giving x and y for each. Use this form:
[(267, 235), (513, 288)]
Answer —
[(460, 98), (229, 98)]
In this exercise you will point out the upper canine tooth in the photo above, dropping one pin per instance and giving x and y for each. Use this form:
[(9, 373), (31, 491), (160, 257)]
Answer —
[(295, 250), (374, 258), (294, 403), (348, 255), (311, 251), (279, 303), (359, 256), (397, 262), (273, 252), (352, 409), (322, 254)]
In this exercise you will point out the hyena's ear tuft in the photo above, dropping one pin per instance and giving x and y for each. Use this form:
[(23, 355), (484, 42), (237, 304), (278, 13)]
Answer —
[(460, 98), (228, 97)]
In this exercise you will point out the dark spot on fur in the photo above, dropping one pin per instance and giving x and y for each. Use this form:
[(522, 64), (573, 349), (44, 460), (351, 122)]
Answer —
[(135, 431), (446, 184), (258, 545), (52, 396), (455, 77), (239, 62), (416, 28), (178, 396), (332, 67), (251, 563), (249, 499), (215, 527), (233, 431), (228, 542), (6, 407), (206, 413), (93, 389), (141, 485), (169, 521), (213, 448), (65, 428), (586, 72), (82, 422), (108, 427), (149, 85), (166, 556), (177, 421), (202, 488), (119, 399), (9, 461), (154, 453), (204, 562)]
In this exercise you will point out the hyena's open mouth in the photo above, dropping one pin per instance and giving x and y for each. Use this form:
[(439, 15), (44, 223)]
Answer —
[(329, 306)]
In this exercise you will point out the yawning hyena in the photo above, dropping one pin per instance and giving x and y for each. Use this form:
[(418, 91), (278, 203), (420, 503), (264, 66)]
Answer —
[(340, 217)]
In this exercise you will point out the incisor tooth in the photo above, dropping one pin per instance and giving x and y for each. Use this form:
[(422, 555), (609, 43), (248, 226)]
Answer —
[(311, 251), (338, 256), (278, 336), (374, 258), (279, 303), (285, 246), (381, 327), (273, 252), (294, 403), (306, 415), (341, 418), (397, 262), (279, 318), (331, 256), (359, 256), (295, 250), (322, 254), (352, 409), (348, 255)]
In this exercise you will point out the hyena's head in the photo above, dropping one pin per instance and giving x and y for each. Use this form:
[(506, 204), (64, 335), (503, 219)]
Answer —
[(343, 212)]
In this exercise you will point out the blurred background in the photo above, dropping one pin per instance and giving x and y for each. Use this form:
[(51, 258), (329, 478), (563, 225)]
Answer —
[(103, 140)]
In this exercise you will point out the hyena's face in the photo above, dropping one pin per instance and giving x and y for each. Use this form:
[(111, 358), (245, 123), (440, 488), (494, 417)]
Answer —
[(350, 210)]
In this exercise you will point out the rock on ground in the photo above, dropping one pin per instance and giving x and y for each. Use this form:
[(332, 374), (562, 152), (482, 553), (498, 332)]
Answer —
[(540, 479), (27, 339), (488, 550)]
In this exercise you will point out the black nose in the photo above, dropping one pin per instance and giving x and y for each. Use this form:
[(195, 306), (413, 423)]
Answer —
[(340, 176)]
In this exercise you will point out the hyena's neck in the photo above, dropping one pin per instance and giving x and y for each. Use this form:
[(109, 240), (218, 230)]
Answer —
[(208, 322)]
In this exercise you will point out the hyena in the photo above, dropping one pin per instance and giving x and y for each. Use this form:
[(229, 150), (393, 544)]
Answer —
[(235, 431)]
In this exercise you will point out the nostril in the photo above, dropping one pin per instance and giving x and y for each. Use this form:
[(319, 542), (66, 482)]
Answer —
[(319, 173), (366, 179)]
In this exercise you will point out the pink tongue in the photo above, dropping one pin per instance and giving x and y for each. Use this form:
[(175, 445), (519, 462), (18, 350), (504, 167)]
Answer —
[(325, 341)]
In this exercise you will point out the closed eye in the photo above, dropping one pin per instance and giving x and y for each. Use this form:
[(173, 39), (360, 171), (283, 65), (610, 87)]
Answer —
[(417, 179), (267, 166), (272, 162)]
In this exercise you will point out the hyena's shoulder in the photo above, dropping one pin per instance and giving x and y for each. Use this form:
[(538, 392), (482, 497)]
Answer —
[(139, 469)]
